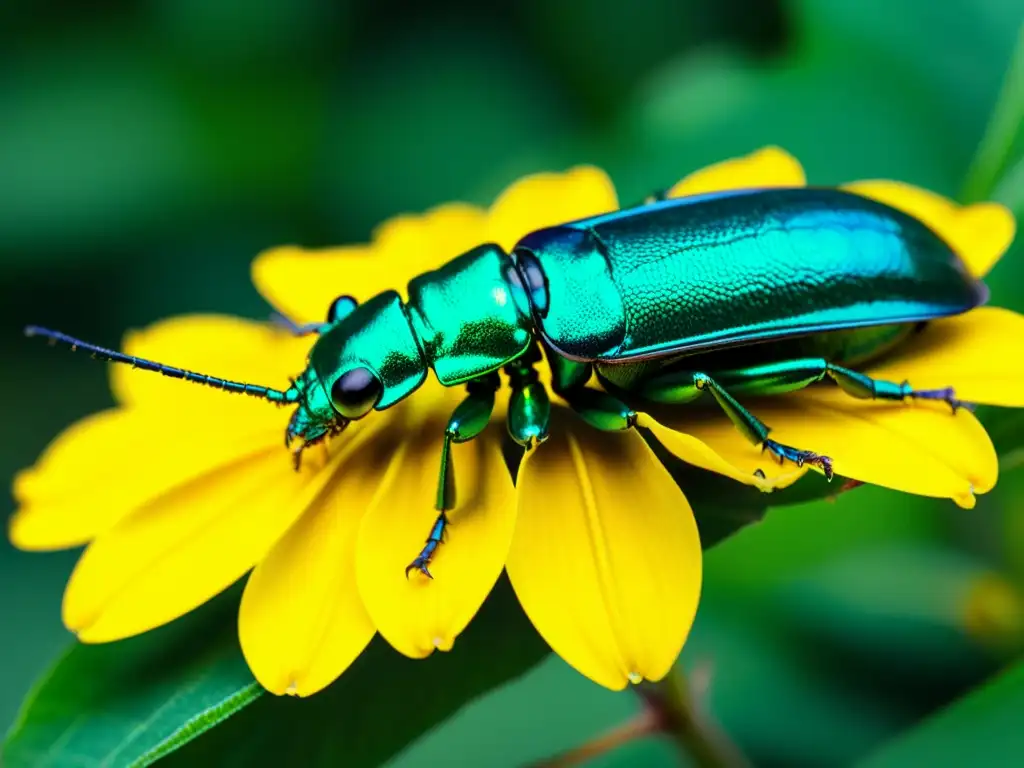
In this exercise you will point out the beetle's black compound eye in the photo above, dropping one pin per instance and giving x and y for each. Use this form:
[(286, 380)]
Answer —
[(340, 307), (355, 392)]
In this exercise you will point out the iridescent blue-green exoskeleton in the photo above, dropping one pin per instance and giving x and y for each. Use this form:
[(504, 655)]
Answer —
[(751, 292)]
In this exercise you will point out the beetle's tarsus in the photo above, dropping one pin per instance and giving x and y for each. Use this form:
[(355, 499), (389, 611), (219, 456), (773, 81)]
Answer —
[(799, 457), (946, 395), (438, 533)]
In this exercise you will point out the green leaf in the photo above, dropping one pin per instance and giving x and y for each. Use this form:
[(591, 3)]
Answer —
[(380, 704), (982, 729), (131, 702)]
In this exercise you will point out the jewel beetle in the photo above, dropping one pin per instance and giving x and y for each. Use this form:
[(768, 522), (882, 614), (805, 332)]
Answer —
[(740, 293)]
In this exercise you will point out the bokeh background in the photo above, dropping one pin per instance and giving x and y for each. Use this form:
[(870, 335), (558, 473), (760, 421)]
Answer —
[(149, 149)]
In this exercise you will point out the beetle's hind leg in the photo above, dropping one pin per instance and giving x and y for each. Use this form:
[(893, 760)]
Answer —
[(683, 387), (790, 375), (864, 387), (467, 421)]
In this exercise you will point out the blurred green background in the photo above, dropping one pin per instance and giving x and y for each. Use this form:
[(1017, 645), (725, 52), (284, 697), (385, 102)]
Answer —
[(149, 149)]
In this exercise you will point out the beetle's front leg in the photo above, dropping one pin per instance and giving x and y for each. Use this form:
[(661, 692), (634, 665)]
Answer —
[(684, 387), (467, 421)]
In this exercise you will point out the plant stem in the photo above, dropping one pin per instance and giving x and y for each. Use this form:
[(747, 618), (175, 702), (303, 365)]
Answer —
[(696, 735), (644, 724), (992, 154)]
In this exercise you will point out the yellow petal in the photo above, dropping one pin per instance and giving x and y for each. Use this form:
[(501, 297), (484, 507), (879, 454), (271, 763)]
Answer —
[(413, 244), (417, 614), (606, 559), (182, 549), (978, 354), (980, 233), (228, 347), (723, 458), (108, 464), (301, 621), (545, 199), (919, 448), (767, 167), (303, 283)]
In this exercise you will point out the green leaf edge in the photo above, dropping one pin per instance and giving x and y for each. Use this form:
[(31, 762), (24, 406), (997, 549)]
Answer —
[(201, 723), (29, 701), (189, 730)]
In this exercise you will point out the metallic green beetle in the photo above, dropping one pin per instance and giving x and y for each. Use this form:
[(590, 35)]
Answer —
[(750, 292)]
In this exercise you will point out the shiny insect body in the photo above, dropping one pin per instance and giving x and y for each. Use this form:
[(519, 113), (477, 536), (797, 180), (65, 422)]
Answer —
[(743, 293)]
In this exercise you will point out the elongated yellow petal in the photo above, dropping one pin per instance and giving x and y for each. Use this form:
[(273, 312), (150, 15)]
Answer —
[(416, 243), (418, 615), (980, 233), (546, 199), (606, 559), (217, 345), (182, 549), (767, 167), (302, 621), (108, 464), (919, 448), (303, 283), (723, 458), (977, 354)]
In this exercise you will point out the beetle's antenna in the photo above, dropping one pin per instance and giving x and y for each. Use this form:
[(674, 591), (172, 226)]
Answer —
[(100, 353)]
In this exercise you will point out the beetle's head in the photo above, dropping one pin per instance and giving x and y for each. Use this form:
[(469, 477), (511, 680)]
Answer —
[(366, 359)]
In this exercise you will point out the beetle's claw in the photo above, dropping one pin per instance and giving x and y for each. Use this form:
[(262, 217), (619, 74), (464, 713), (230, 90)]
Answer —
[(946, 395), (438, 533), (799, 457), (419, 564)]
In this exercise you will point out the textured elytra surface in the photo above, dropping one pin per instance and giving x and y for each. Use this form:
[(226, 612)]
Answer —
[(688, 274)]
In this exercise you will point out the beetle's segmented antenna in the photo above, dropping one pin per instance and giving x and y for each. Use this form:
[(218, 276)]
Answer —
[(109, 355)]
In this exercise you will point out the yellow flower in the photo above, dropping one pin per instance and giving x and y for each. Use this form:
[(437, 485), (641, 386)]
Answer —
[(179, 491)]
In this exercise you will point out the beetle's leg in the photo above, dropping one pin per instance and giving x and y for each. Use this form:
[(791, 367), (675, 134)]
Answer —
[(657, 196), (683, 387), (529, 408), (859, 385), (297, 329), (467, 421), (790, 375), (597, 408)]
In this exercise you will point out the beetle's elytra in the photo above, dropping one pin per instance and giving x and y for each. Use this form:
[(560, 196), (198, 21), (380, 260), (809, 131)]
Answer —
[(752, 292)]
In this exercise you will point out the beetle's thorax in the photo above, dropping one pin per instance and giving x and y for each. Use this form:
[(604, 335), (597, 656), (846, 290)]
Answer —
[(471, 316), (466, 319)]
